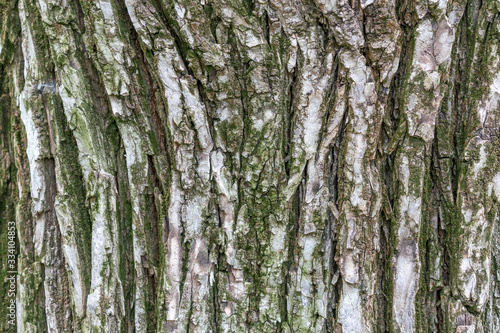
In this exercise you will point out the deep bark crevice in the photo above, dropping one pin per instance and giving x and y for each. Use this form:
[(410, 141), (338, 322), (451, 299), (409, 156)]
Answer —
[(127, 271)]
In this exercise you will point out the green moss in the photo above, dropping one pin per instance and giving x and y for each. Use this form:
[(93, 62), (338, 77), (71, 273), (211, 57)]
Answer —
[(424, 293), (8, 199)]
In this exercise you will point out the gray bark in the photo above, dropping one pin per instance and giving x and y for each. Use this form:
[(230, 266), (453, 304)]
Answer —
[(251, 166)]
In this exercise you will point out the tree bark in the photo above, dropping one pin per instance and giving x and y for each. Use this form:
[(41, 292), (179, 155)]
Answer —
[(251, 166)]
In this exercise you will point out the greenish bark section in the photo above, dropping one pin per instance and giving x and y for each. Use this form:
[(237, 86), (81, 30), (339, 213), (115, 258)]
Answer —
[(12, 155)]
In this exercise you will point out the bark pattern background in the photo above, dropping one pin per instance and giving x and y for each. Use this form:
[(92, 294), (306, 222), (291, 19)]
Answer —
[(251, 166)]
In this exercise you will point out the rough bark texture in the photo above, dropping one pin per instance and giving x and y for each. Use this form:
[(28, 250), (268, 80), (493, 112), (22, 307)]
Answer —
[(251, 166)]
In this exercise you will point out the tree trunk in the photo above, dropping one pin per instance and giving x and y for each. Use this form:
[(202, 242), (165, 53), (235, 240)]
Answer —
[(251, 166)]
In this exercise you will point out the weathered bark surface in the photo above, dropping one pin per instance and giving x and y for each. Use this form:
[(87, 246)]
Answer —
[(251, 166)]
